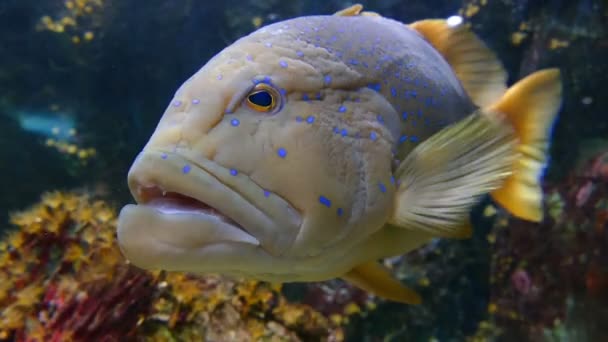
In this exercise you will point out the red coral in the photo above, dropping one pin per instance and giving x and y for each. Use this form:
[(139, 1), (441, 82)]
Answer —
[(104, 311), (561, 255)]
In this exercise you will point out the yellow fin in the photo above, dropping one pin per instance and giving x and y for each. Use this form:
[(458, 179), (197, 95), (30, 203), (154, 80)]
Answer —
[(375, 278), (355, 10), (350, 11), (476, 66), (531, 106), (444, 177)]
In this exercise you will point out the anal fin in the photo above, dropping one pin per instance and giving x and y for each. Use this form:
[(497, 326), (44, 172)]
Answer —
[(375, 278)]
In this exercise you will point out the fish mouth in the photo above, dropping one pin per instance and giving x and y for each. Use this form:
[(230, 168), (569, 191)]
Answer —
[(188, 208), (172, 203)]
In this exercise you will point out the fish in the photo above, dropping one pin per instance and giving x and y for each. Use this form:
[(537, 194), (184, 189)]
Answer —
[(315, 147)]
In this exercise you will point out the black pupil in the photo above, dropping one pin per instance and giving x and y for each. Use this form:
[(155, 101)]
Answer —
[(261, 98)]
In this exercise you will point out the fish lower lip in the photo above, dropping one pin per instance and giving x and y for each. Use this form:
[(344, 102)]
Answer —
[(150, 238)]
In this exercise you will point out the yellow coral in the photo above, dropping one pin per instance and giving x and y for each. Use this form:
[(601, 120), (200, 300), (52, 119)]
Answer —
[(72, 16), (518, 37), (181, 306), (555, 43)]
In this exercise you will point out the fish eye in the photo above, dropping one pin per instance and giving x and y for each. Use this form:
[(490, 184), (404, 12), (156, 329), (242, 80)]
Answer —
[(263, 98)]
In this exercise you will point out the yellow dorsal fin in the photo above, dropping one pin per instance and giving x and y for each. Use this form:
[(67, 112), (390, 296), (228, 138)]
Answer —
[(375, 278), (350, 11), (356, 10), (531, 106), (476, 66)]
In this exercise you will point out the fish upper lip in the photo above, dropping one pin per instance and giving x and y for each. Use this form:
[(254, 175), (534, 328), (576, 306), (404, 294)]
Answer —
[(155, 195), (275, 223)]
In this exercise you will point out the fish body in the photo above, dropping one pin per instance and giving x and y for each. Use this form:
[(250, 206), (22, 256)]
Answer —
[(314, 146)]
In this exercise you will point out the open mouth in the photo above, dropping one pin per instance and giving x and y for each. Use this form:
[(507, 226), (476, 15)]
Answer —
[(169, 202), (204, 206)]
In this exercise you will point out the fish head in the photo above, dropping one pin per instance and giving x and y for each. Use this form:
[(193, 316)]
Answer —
[(271, 162)]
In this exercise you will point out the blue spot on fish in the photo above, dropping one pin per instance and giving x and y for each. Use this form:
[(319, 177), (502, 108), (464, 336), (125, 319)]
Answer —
[(283, 64), (299, 118), (266, 193), (186, 169), (414, 139), (325, 201), (336, 130), (382, 187), (327, 80), (310, 119), (299, 53), (305, 97), (281, 152), (402, 139), (163, 156), (340, 211), (380, 118), (354, 62), (235, 122), (375, 86), (344, 132), (373, 136), (393, 92), (342, 109), (392, 179), (234, 172)]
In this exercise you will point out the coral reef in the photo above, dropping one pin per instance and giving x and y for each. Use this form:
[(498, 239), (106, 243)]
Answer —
[(78, 18), (62, 278), (540, 271)]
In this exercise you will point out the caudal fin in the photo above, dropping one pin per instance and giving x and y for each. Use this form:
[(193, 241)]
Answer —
[(531, 106)]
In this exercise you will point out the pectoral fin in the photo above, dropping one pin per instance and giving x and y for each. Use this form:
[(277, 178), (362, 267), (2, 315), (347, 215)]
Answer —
[(375, 278), (445, 176)]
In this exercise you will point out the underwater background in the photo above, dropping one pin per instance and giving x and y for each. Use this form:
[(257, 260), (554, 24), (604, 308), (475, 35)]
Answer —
[(83, 84)]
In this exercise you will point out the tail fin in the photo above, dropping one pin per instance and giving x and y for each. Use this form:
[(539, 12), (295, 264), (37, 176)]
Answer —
[(531, 106)]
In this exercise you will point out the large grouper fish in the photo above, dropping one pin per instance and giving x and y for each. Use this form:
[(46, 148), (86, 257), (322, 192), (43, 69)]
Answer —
[(313, 147)]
